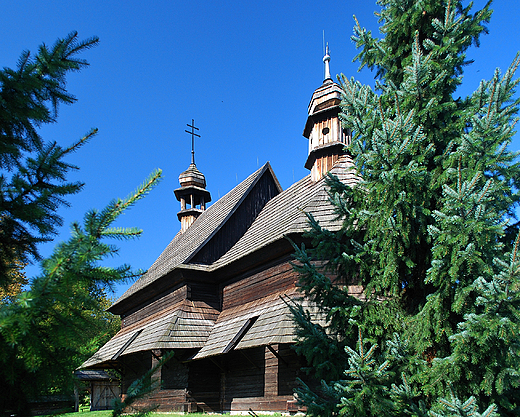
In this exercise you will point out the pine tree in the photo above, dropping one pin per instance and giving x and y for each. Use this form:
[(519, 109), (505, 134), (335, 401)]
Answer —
[(33, 177), (49, 330), (432, 217)]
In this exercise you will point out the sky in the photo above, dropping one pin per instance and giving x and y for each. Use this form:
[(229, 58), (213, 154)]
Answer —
[(243, 71)]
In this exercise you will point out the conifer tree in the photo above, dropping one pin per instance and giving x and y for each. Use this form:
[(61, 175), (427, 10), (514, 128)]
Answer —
[(430, 227), (49, 330), (33, 176)]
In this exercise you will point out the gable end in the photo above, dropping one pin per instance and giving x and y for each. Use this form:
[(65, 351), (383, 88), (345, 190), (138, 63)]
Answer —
[(234, 228)]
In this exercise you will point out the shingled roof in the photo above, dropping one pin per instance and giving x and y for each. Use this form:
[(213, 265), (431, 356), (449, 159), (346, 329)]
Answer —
[(184, 245), (286, 213), (271, 323), (282, 215), (184, 327)]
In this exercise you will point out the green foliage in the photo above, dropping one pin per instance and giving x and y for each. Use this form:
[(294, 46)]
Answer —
[(428, 231), (33, 177), (364, 392), (140, 389), (455, 408), (49, 330)]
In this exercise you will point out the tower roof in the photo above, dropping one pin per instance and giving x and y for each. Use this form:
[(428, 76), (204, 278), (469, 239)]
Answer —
[(323, 129), (192, 193), (192, 177)]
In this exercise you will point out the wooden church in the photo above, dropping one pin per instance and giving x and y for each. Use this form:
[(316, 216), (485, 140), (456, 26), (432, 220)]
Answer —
[(215, 295)]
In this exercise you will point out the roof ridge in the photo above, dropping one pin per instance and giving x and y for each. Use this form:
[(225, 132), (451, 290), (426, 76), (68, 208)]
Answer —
[(185, 245), (266, 167)]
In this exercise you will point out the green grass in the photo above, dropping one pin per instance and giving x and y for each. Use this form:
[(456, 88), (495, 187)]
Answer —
[(103, 413), (108, 413)]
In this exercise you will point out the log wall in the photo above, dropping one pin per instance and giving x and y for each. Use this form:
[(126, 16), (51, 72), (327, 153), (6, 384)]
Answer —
[(270, 281), (262, 380), (203, 296), (159, 304)]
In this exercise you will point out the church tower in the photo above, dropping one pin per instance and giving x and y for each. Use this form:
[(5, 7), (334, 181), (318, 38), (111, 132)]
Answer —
[(327, 139), (192, 194)]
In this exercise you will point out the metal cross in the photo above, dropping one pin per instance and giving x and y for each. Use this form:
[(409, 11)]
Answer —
[(193, 134)]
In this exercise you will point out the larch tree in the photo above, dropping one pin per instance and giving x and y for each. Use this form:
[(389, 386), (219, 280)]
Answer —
[(57, 319), (429, 230), (33, 176), (48, 330)]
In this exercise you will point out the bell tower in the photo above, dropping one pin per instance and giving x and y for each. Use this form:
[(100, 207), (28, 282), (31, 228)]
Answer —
[(192, 194), (327, 139)]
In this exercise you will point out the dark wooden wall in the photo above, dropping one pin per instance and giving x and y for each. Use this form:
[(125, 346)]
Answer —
[(161, 303), (206, 292), (259, 379), (203, 295), (235, 227), (270, 281), (289, 369), (134, 366), (204, 385)]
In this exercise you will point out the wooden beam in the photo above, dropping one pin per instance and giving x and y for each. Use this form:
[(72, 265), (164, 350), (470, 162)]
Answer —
[(275, 353), (128, 342), (155, 356), (241, 333), (217, 364), (249, 359)]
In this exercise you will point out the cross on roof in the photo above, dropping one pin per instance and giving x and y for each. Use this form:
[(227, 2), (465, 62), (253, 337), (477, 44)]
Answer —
[(193, 134)]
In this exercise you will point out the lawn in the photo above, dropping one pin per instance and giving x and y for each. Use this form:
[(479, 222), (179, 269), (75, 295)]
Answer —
[(108, 413)]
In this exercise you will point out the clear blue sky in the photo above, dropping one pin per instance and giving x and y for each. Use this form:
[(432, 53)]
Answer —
[(245, 71)]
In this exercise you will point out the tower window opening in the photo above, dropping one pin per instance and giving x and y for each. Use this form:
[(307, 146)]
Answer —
[(325, 131)]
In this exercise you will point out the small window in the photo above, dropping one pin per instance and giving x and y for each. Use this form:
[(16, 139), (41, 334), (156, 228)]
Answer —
[(325, 131)]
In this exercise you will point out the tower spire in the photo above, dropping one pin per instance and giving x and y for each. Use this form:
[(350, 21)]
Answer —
[(192, 193), (327, 138), (326, 61)]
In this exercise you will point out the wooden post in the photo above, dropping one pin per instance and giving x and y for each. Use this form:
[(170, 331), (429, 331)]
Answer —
[(76, 397)]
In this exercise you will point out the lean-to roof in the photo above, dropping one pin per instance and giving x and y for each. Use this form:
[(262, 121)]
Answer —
[(185, 327), (272, 324)]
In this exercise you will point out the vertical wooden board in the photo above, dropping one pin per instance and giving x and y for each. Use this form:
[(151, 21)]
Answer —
[(235, 227), (174, 375), (134, 366), (289, 371), (204, 385), (271, 373), (245, 374)]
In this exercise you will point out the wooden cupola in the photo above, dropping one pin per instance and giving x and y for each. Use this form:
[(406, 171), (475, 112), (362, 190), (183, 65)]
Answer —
[(192, 194), (327, 139)]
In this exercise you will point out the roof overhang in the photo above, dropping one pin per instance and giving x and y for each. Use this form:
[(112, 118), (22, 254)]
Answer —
[(337, 148)]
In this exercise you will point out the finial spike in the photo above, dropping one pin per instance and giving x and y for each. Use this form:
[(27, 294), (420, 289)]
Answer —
[(326, 60)]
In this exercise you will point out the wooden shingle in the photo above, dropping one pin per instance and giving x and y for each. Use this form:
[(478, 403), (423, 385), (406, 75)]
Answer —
[(186, 327), (273, 324), (199, 233)]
